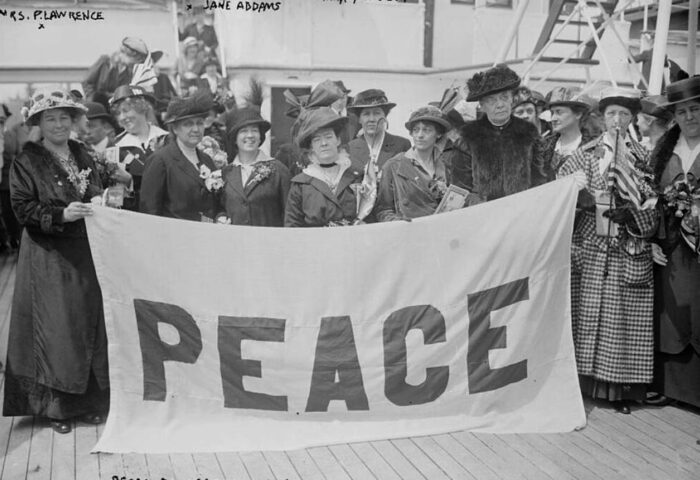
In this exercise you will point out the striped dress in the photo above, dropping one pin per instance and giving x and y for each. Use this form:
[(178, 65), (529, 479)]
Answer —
[(611, 314)]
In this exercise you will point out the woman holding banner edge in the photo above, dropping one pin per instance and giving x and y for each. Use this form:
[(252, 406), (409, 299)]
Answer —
[(57, 349), (612, 284)]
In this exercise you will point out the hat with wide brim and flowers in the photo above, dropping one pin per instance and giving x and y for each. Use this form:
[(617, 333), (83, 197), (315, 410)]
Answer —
[(630, 98), (567, 97), (49, 100), (311, 121), (431, 114), (682, 91), (369, 99), (245, 117), (130, 91), (494, 80), (197, 105)]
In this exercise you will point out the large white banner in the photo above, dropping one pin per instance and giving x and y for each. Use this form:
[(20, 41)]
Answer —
[(229, 338)]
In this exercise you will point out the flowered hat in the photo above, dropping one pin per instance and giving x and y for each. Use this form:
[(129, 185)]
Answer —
[(523, 95), (567, 97), (493, 80), (371, 98), (197, 105), (244, 117), (428, 114), (311, 121), (683, 90), (629, 98), (48, 100), (656, 106), (130, 91)]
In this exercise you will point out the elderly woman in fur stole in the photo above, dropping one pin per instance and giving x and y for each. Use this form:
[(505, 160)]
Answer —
[(676, 161), (503, 154)]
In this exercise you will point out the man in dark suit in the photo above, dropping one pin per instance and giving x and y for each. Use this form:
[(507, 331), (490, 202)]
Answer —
[(375, 144)]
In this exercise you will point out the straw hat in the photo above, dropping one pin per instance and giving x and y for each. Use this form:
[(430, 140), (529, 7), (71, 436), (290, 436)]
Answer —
[(629, 98), (49, 100)]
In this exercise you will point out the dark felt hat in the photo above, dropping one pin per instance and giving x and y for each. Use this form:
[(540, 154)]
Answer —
[(657, 106), (371, 98), (197, 105), (311, 121), (428, 113), (97, 110), (245, 117), (683, 90), (130, 91), (341, 86), (629, 98), (493, 80)]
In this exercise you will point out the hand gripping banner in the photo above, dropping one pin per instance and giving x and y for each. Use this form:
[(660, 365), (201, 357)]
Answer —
[(225, 338)]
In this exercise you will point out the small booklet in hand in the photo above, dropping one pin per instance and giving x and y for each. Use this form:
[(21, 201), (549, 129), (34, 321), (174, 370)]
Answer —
[(454, 198)]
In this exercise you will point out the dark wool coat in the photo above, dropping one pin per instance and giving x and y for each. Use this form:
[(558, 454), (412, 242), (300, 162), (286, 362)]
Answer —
[(393, 145), (172, 187), (404, 190), (311, 202), (677, 293), (104, 77), (611, 315), (57, 334), (499, 161), (259, 203)]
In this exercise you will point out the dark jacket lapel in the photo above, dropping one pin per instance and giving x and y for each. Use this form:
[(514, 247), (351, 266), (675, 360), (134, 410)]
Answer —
[(233, 177), (183, 163)]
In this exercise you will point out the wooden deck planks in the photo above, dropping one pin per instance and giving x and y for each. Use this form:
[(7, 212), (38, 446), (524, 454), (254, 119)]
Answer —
[(41, 451), (304, 465), (398, 461), (374, 462), (281, 466), (17, 454), (232, 466)]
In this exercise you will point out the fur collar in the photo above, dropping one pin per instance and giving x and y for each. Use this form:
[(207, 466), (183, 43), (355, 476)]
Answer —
[(480, 130), (76, 148), (664, 151)]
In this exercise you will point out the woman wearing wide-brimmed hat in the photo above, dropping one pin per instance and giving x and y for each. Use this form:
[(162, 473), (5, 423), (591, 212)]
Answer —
[(376, 144), (133, 108), (503, 154), (255, 185), (174, 182), (57, 348), (676, 162), (611, 278), (568, 108), (323, 194), (413, 183)]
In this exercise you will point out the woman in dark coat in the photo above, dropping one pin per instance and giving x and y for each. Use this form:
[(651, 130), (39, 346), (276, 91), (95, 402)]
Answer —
[(255, 185), (175, 183), (324, 194), (676, 162), (57, 349), (413, 183)]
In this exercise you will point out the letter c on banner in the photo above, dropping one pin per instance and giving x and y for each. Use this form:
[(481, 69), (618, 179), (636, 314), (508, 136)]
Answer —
[(430, 321), (155, 352), (482, 338)]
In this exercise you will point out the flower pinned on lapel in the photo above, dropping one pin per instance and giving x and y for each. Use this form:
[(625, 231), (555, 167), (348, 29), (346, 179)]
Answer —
[(212, 148), (262, 171), (213, 181)]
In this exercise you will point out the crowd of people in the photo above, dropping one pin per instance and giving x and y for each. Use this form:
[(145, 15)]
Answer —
[(636, 327)]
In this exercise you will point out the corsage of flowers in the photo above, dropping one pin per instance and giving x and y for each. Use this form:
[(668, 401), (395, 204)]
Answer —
[(105, 169), (679, 197), (213, 181), (262, 171), (80, 180), (212, 148), (438, 188)]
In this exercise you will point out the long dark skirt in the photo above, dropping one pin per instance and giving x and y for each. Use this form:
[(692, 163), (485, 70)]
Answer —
[(612, 392), (57, 348), (677, 327)]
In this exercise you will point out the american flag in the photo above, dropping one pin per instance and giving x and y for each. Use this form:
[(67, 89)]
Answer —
[(144, 76), (623, 177)]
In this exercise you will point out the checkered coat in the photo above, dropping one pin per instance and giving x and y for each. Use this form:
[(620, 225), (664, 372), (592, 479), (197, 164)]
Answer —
[(611, 315)]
